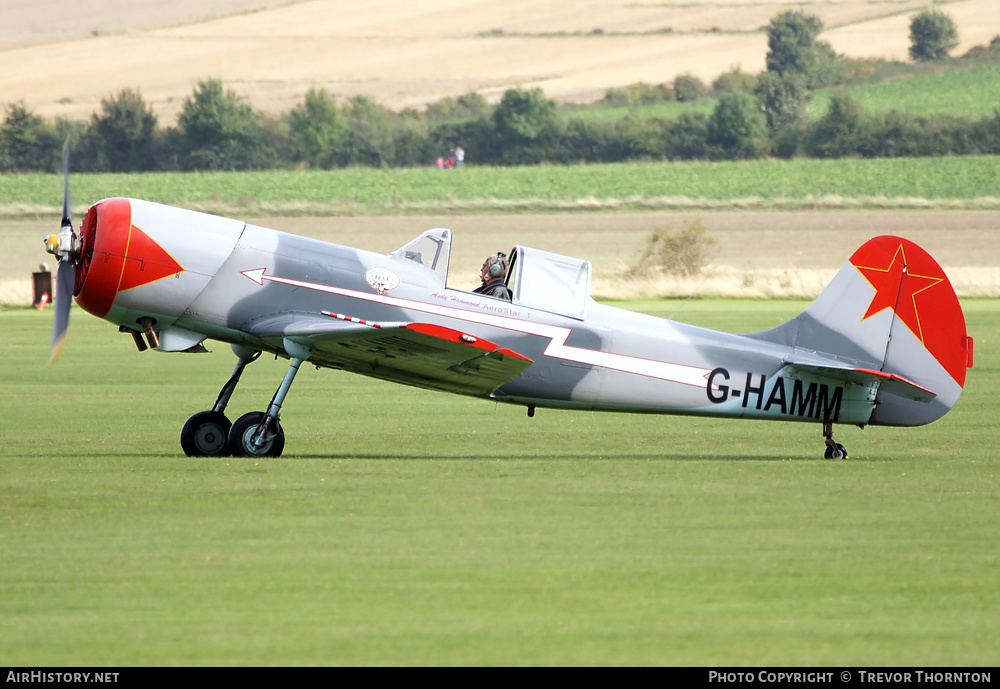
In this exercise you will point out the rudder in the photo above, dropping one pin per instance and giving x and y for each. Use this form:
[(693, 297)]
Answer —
[(890, 308)]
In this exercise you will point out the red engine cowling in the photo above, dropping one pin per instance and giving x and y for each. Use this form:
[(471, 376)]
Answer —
[(115, 256)]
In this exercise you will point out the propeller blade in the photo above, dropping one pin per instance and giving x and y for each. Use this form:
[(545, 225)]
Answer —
[(67, 214), (64, 246), (65, 279)]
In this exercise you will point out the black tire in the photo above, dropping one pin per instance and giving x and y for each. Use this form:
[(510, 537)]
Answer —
[(829, 452), (206, 434), (242, 433)]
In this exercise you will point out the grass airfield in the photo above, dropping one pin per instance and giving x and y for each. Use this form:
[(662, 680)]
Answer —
[(404, 527)]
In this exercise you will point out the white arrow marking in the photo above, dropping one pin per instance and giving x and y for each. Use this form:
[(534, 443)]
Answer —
[(255, 275), (557, 349)]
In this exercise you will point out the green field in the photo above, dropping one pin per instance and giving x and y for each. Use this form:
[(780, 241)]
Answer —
[(949, 182), (403, 527), (972, 92)]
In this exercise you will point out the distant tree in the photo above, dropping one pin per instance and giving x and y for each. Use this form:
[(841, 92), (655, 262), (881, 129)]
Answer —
[(841, 131), (587, 140), (736, 128), (734, 80), (688, 87), (412, 144), (369, 137), (932, 35), (790, 39), (990, 51), (644, 137), (784, 100), (527, 127), (468, 106), (639, 93), (317, 127), (477, 137), (24, 138), (985, 134), (687, 137), (122, 137), (274, 142), (218, 129), (793, 48)]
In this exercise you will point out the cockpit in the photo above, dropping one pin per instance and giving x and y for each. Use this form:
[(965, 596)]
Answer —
[(537, 279)]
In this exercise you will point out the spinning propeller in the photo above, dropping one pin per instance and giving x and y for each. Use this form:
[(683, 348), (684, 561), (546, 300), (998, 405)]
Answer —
[(65, 246)]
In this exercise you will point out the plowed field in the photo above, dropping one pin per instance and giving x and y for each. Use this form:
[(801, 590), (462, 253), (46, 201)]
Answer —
[(62, 56)]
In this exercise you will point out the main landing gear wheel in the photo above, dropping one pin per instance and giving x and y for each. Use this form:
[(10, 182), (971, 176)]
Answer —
[(835, 453), (834, 450), (251, 436), (206, 434)]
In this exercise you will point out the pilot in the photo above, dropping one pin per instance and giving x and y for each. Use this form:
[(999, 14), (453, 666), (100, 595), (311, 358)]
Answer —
[(492, 274)]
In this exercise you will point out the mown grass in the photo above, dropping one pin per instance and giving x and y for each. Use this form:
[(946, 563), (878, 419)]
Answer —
[(407, 527), (951, 182)]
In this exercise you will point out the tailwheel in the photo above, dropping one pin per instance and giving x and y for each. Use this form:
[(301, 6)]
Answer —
[(206, 434), (256, 435)]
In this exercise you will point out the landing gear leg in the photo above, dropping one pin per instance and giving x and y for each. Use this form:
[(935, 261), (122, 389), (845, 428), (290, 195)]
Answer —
[(258, 434), (834, 450), (206, 433)]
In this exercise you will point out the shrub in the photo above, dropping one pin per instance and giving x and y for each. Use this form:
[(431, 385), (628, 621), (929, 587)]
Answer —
[(590, 141), (736, 128), (841, 131), (465, 107), (734, 80), (682, 252), (644, 137), (688, 87), (687, 137)]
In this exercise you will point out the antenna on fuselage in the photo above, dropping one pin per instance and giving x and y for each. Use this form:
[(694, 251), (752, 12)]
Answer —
[(689, 297)]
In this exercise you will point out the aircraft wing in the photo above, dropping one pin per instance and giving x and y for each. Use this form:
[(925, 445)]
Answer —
[(420, 354), (890, 383)]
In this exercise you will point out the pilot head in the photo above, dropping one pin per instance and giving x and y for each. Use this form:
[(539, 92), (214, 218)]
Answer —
[(494, 267)]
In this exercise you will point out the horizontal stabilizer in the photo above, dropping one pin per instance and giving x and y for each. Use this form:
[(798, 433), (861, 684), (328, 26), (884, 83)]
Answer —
[(889, 383)]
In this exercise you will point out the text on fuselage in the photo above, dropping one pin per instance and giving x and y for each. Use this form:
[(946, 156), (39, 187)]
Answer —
[(779, 394)]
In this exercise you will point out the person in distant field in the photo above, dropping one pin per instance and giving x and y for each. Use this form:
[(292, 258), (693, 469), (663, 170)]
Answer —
[(492, 274), (440, 163), (459, 156)]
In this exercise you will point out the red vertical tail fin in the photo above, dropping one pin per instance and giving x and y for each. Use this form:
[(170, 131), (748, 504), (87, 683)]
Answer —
[(890, 308)]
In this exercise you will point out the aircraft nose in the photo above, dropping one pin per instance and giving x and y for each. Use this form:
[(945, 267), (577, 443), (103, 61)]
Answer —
[(116, 256)]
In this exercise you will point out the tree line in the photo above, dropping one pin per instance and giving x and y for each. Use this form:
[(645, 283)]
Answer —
[(754, 116)]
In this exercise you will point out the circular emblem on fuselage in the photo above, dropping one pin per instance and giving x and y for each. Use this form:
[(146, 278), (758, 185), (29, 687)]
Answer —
[(382, 279)]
